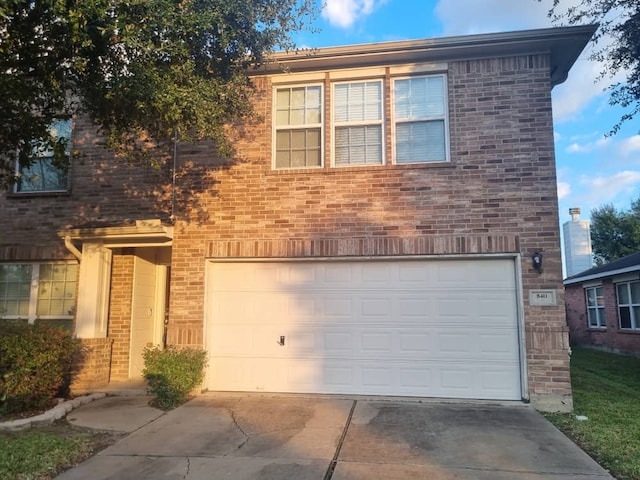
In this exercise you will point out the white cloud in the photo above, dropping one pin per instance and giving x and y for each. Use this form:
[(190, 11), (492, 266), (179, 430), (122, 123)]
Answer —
[(344, 13), (617, 151), (605, 188), (564, 189), (580, 88), (630, 145), (584, 85), (589, 146), (462, 17)]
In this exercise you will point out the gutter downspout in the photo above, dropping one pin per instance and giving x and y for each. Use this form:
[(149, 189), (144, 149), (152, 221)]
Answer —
[(72, 248)]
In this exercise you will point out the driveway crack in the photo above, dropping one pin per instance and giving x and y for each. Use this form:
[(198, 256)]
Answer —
[(188, 468), (334, 461), (235, 422)]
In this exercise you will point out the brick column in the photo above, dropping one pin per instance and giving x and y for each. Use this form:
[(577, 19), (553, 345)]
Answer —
[(95, 366)]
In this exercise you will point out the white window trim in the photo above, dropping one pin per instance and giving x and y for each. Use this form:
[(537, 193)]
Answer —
[(274, 126), (381, 122), (635, 322), (32, 315), (600, 310), (393, 121)]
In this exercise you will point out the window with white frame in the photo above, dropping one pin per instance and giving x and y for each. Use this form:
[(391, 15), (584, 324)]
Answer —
[(420, 119), (298, 127), (359, 126), (595, 307), (629, 305), (46, 173), (357, 121), (44, 291)]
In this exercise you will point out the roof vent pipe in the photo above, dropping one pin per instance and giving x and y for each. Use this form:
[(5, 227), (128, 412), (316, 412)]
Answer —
[(575, 214)]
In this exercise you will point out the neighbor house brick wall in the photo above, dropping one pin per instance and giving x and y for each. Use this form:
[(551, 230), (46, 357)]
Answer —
[(500, 183), (121, 299), (609, 338), (94, 367)]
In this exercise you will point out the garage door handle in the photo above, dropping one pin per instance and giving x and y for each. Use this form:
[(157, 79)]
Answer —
[(281, 342)]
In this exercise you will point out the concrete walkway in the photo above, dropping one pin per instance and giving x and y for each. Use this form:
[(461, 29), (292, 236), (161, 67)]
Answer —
[(247, 437)]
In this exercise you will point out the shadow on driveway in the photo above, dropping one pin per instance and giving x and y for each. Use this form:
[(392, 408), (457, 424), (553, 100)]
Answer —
[(248, 436)]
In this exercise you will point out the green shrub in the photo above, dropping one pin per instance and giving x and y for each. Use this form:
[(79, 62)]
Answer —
[(37, 363), (172, 374)]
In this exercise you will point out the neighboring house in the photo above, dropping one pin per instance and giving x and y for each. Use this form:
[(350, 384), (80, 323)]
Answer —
[(603, 306), (373, 235)]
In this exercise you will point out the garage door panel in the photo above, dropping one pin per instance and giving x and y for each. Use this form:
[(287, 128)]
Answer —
[(425, 328), (376, 343), (349, 341), (334, 376)]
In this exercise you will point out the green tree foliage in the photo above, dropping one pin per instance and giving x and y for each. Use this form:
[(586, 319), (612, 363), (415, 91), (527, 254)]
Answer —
[(617, 43), (615, 233), (141, 69)]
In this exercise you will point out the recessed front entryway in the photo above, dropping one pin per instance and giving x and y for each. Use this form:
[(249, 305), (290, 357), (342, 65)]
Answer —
[(149, 297), (439, 328)]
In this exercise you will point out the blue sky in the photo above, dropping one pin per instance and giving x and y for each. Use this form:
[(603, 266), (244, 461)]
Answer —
[(592, 169)]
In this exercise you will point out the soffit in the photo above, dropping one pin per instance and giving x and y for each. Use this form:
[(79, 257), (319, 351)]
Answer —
[(563, 44)]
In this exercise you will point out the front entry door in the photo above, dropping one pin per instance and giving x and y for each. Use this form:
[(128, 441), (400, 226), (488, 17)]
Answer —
[(147, 309)]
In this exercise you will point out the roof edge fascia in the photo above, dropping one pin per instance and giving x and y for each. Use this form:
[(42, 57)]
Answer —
[(109, 234), (563, 43), (598, 276)]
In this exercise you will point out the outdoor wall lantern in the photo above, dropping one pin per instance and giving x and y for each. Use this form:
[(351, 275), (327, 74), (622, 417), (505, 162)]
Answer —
[(536, 259)]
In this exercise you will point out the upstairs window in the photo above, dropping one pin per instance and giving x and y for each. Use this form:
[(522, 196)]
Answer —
[(45, 174), (405, 119), (39, 291), (358, 123), (629, 305), (420, 117), (298, 124), (595, 307)]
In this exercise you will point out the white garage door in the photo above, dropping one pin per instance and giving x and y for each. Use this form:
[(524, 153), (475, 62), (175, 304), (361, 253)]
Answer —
[(437, 328)]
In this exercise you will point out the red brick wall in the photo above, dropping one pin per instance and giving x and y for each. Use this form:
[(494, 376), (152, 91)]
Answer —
[(501, 181), (95, 366), (104, 191), (610, 338), (121, 298)]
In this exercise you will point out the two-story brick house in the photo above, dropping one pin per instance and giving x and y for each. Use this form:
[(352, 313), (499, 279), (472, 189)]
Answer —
[(373, 235)]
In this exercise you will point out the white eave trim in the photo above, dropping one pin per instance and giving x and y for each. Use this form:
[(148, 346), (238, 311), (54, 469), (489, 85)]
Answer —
[(564, 44), (118, 237), (597, 276)]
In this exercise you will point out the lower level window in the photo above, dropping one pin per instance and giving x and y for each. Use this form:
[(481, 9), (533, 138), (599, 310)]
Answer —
[(38, 291), (629, 305), (595, 307)]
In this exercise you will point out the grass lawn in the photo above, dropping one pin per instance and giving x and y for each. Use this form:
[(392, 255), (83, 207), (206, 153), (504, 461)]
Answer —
[(606, 389), (42, 452)]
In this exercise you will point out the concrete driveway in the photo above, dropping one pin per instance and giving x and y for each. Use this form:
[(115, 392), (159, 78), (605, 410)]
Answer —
[(243, 437)]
